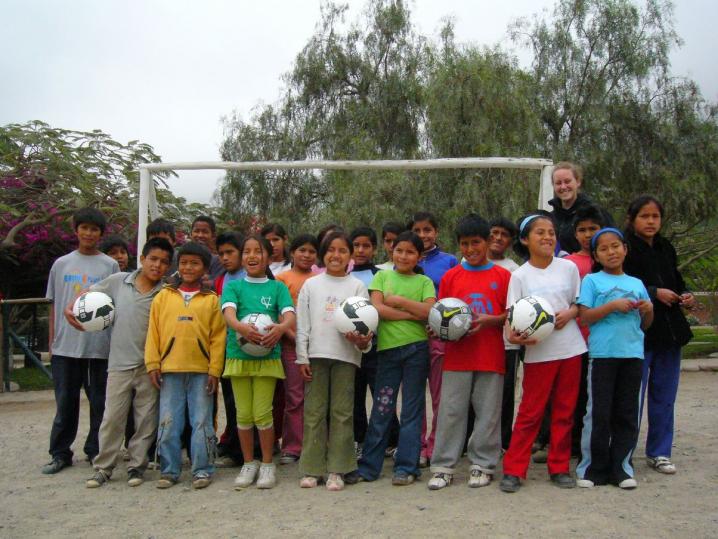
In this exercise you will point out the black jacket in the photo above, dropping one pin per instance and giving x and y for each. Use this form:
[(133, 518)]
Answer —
[(564, 221), (657, 266)]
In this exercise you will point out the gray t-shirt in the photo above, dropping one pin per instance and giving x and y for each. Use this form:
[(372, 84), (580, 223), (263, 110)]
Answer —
[(70, 275), (132, 317)]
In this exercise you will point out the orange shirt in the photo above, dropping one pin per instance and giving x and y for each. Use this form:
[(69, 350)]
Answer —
[(294, 281)]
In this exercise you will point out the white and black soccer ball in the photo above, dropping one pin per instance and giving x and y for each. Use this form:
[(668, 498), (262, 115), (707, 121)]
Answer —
[(533, 317), (261, 321), (356, 314), (95, 311), (450, 319)]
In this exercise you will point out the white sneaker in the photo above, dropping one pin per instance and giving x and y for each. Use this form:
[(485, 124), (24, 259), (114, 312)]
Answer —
[(267, 476), (628, 484), (247, 475), (440, 480), (584, 483), (477, 478), (661, 464)]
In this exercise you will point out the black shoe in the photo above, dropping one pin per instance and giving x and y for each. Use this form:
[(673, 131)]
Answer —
[(54, 466), (563, 480), (510, 483), (352, 478)]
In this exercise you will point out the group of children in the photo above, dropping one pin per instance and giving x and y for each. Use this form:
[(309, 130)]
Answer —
[(184, 326)]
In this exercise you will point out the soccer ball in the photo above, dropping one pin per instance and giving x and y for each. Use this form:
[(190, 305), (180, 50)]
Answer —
[(533, 317), (260, 321), (450, 319), (95, 311), (356, 314)]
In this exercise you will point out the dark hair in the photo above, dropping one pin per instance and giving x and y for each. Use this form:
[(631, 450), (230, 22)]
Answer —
[(112, 241), (412, 238), (506, 224), (329, 238), (302, 239), (326, 228), (263, 243), (205, 219), (231, 237), (422, 216), (90, 216), (519, 248), (276, 228), (158, 243), (597, 266), (392, 227), (589, 213), (194, 248), (635, 207), (472, 225), (161, 226), (363, 231)]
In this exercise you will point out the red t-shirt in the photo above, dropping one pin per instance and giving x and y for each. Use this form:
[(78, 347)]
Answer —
[(584, 263), (484, 289)]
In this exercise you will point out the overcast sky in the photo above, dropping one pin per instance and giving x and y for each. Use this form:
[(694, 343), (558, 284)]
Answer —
[(166, 72)]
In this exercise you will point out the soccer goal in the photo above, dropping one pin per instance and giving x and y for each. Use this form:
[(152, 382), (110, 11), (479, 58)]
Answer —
[(148, 201)]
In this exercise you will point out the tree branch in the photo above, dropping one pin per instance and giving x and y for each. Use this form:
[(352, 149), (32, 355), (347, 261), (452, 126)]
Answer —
[(9, 240), (696, 256)]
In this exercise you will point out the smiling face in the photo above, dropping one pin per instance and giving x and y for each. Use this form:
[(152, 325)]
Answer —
[(191, 269), (202, 233), (88, 236), (499, 242), (565, 186), (277, 242), (155, 264), (474, 249), (610, 252), (405, 257), (337, 257), (647, 222), (363, 250), (427, 232), (541, 239), (254, 258), (305, 256), (230, 257)]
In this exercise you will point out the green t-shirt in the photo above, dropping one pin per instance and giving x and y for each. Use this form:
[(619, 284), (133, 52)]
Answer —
[(395, 333), (249, 296)]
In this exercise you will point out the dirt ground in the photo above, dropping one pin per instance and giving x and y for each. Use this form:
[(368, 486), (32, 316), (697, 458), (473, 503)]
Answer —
[(31, 504)]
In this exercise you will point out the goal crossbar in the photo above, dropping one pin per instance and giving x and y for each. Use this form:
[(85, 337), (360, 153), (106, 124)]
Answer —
[(148, 200)]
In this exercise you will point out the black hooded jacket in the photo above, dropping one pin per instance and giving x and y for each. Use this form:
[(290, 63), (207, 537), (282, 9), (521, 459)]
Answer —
[(657, 266), (564, 221)]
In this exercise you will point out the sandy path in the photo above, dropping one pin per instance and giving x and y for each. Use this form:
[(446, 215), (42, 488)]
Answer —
[(685, 505)]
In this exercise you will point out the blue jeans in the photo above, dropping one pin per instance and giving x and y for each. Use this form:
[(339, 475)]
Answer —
[(407, 366), (661, 373), (190, 389)]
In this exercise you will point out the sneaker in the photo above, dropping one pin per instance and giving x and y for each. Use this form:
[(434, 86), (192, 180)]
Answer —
[(97, 480), (201, 481), (477, 478), (510, 483), (247, 475), (335, 482), (390, 452), (267, 476), (286, 458), (402, 479), (440, 480), (628, 484), (54, 466), (352, 478), (541, 455), (308, 481), (134, 478), (661, 465), (423, 461), (166, 481), (563, 480), (584, 483), (225, 462)]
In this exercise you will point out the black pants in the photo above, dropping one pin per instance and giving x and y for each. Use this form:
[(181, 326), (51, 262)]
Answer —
[(69, 376), (611, 422), (229, 441), (366, 378), (508, 398)]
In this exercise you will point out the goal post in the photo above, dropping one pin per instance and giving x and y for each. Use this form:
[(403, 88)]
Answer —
[(148, 201)]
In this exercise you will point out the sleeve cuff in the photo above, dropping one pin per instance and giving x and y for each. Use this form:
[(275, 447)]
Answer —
[(229, 304), (285, 310)]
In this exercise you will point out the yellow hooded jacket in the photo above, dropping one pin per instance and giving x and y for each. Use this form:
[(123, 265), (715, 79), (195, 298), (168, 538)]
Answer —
[(186, 338)]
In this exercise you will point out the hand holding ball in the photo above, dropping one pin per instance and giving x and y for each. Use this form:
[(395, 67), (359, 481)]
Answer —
[(356, 314), (95, 311), (261, 322), (533, 317), (450, 319)]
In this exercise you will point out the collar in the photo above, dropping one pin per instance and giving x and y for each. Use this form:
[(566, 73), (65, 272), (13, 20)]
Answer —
[(256, 279), (131, 279), (175, 284), (363, 267), (434, 251), (469, 267)]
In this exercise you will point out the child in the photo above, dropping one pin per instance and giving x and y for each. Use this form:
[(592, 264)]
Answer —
[(116, 247), (254, 378), (652, 259), (229, 452), (204, 232), (474, 365), (303, 251), (328, 361), (184, 355), (617, 308), (403, 299), (434, 263), (503, 234), (389, 232), (277, 236), (552, 367), (162, 228), (79, 359), (128, 385)]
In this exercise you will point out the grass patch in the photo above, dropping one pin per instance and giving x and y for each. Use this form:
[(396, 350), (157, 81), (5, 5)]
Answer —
[(704, 343), (30, 379)]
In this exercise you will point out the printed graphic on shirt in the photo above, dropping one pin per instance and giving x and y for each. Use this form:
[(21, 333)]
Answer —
[(479, 303), (615, 293), (80, 280), (266, 301), (331, 304)]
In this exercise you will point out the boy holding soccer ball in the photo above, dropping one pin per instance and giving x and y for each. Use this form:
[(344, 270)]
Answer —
[(78, 359), (474, 366)]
